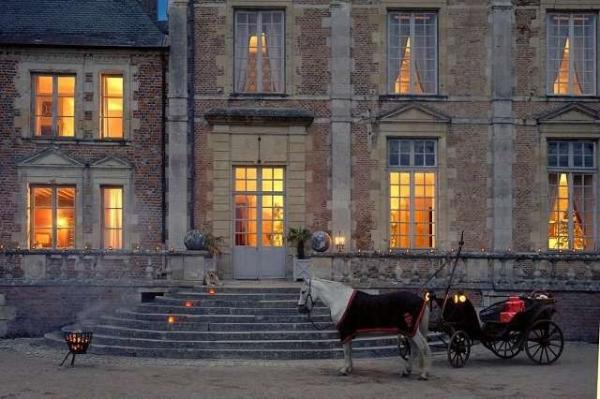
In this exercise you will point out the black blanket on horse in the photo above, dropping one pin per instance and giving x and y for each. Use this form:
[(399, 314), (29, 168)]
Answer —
[(397, 312)]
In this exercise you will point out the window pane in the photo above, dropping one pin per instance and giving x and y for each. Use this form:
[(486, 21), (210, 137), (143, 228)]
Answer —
[(42, 196), (66, 197), (43, 105), (112, 107), (112, 203)]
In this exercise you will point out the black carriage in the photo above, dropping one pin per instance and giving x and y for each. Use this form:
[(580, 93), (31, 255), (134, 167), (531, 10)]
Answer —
[(505, 328), (505, 333)]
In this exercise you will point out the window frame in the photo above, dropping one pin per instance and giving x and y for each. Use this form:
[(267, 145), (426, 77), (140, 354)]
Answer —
[(283, 66), (412, 169), (550, 84), (571, 171), (55, 97), (389, 82), (103, 208), (102, 136), (54, 208)]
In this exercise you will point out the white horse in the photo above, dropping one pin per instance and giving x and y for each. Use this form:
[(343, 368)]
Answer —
[(337, 297)]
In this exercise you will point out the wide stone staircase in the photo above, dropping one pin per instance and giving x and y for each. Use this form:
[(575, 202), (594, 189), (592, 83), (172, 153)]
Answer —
[(235, 322)]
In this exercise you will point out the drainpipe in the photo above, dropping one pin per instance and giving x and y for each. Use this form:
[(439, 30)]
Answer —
[(163, 150), (191, 113)]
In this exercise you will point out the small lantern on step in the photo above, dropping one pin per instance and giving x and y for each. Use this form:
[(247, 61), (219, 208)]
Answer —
[(171, 319), (339, 241), (212, 291), (188, 304)]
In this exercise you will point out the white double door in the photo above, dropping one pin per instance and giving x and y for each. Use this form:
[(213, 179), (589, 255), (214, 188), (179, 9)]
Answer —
[(259, 222)]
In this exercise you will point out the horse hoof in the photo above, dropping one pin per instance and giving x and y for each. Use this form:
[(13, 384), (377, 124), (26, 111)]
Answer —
[(423, 377), (344, 372)]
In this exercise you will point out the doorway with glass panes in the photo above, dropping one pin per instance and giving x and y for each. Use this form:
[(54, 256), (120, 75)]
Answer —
[(259, 222)]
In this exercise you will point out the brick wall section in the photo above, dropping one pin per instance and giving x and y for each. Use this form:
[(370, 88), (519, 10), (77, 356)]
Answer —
[(210, 44), (365, 73), (363, 208), (526, 192), (143, 152), (311, 46), (8, 71), (526, 52), (467, 50)]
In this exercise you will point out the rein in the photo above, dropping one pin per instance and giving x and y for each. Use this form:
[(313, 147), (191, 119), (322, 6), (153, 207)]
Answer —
[(312, 304)]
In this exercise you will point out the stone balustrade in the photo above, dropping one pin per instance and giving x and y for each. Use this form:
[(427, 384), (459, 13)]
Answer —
[(474, 270), (100, 265)]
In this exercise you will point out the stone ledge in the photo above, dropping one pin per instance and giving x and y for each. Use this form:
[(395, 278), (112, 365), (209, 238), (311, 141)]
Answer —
[(259, 116)]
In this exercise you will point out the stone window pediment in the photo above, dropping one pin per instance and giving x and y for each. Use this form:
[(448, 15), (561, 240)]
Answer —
[(570, 114), (414, 113), (111, 162), (50, 157)]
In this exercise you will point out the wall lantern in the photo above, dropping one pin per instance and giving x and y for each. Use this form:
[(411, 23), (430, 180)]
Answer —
[(339, 241)]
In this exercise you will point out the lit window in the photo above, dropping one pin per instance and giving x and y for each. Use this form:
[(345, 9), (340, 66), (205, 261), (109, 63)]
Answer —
[(54, 105), (112, 107), (52, 216), (571, 53), (572, 172), (259, 206), (412, 184), (112, 217), (259, 51), (412, 53)]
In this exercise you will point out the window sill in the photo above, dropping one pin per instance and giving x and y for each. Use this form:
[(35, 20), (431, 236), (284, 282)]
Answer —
[(411, 97), (78, 141), (258, 95), (552, 97)]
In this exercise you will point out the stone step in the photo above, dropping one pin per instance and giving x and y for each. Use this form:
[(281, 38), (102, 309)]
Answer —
[(221, 318), (234, 296), (289, 290), (241, 344), (240, 353), (218, 302), (202, 326), (108, 330), (209, 310)]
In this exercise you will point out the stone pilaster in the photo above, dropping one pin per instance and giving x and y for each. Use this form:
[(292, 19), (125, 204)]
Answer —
[(341, 106), (178, 215), (503, 128)]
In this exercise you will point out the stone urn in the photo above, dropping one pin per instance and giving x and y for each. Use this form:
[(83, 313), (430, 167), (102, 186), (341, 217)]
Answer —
[(194, 240)]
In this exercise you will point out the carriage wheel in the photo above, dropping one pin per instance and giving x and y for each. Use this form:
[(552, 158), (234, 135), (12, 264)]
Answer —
[(507, 347), (459, 349), (403, 347), (545, 342)]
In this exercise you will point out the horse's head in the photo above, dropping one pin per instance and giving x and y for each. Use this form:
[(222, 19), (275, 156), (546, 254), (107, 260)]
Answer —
[(307, 297)]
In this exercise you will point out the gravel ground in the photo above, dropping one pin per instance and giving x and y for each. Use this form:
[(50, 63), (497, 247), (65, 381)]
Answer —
[(30, 370)]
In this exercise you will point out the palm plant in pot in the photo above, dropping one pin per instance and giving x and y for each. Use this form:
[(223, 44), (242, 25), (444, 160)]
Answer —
[(298, 236)]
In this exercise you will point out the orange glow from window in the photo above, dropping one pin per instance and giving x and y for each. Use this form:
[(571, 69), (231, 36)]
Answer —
[(112, 200), (561, 83), (403, 79), (112, 106)]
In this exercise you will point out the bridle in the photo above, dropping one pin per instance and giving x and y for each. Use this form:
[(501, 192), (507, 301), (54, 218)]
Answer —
[(312, 304)]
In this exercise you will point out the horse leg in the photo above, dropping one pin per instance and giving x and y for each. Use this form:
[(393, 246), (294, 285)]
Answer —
[(424, 355), (347, 369), (406, 363)]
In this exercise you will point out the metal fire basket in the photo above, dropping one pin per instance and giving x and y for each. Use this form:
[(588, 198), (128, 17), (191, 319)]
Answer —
[(78, 343)]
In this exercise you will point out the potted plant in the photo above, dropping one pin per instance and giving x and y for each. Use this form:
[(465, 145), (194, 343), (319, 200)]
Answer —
[(213, 245), (298, 236)]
